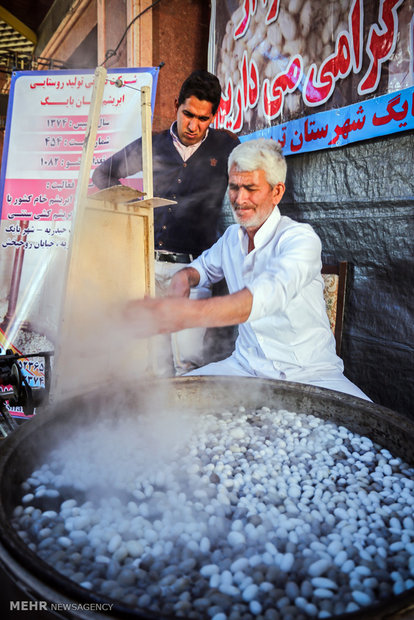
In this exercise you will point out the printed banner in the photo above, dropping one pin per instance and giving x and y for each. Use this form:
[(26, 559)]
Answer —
[(314, 74), (45, 131), (48, 113), (380, 116)]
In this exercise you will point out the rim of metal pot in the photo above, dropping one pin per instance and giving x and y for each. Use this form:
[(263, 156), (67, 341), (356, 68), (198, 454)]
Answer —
[(54, 413)]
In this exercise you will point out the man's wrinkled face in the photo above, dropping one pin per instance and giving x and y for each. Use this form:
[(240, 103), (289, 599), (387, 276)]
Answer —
[(193, 119), (252, 198)]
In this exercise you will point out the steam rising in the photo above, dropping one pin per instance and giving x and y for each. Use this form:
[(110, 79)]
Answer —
[(123, 453), (99, 345)]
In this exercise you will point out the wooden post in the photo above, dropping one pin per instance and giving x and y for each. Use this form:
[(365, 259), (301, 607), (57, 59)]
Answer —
[(89, 146), (149, 194), (73, 259), (148, 180)]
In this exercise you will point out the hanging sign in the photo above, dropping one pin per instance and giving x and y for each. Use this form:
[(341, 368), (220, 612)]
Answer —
[(314, 74), (44, 137)]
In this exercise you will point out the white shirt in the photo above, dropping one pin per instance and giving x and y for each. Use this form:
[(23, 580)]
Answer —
[(287, 335), (185, 151)]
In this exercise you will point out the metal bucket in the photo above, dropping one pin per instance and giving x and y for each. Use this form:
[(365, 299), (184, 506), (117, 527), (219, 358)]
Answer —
[(23, 451)]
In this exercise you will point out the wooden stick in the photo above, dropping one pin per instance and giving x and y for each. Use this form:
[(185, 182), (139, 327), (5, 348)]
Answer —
[(77, 220)]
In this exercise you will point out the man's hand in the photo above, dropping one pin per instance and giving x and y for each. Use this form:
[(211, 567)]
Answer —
[(162, 315), (182, 282), (150, 316)]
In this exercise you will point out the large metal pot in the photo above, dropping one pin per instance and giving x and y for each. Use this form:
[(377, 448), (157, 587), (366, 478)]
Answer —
[(24, 450)]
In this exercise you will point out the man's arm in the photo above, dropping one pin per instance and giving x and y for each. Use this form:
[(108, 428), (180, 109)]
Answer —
[(102, 177), (122, 164), (151, 316)]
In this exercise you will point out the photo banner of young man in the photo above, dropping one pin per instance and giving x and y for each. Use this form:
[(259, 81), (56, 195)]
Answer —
[(313, 74), (44, 137)]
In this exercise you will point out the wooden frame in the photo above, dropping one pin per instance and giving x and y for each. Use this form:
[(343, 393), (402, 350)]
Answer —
[(334, 294), (110, 262)]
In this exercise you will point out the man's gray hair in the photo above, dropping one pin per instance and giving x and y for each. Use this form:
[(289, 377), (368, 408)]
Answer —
[(261, 154)]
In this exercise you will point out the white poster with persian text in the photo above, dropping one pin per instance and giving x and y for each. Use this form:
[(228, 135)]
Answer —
[(44, 137)]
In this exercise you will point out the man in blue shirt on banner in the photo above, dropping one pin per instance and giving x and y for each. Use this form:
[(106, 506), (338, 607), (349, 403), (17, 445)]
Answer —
[(190, 167), (272, 266)]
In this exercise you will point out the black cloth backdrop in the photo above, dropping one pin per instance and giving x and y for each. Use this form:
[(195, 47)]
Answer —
[(359, 199)]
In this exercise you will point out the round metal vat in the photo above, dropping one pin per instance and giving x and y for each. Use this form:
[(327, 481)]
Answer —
[(24, 450)]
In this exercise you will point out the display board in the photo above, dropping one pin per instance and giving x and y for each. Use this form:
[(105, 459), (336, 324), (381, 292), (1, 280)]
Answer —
[(45, 134), (314, 74)]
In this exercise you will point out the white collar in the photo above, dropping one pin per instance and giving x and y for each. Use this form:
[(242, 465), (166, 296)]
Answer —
[(265, 232), (184, 151)]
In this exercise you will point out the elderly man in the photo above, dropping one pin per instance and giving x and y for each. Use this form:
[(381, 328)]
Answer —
[(190, 167), (272, 266)]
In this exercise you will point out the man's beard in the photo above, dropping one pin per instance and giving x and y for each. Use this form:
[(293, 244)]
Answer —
[(253, 221)]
